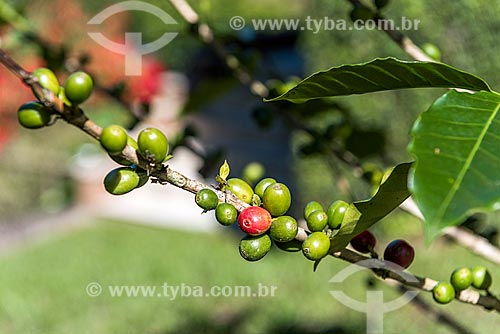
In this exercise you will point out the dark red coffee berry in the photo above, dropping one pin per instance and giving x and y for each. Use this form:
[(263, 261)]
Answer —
[(399, 252), (364, 242)]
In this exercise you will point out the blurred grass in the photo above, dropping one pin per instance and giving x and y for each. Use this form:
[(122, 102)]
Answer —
[(43, 286)]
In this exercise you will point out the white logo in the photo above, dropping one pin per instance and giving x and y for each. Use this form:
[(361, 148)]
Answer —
[(133, 49), (374, 306)]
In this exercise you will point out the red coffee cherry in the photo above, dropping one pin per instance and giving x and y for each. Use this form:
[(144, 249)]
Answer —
[(254, 220), (399, 252), (364, 242)]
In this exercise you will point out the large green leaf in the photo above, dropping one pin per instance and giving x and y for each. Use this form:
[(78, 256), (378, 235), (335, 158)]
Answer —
[(456, 144), (361, 215), (381, 75)]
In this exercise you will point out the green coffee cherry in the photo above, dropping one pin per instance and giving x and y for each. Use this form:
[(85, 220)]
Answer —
[(121, 181), (316, 246), (254, 248), (113, 139), (207, 199), (153, 145), (461, 278), (262, 186), (118, 158), (226, 214), (277, 199), (47, 79), (443, 293), (290, 246), (241, 189), (33, 115), (310, 207), (283, 229), (317, 220), (481, 278), (253, 172), (78, 87), (432, 51), (336, 212)]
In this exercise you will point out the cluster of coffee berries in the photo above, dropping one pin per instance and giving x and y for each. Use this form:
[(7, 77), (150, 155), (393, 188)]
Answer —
[(76, 89), (397, 251), (262, 221), (151, 146), (461, 278), (322, 225), (266, 221)]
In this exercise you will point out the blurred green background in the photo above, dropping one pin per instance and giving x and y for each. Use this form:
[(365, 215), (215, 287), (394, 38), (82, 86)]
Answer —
[(42, 283)]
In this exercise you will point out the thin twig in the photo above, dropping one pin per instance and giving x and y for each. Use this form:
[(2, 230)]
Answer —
[(477, 244), (439, 316), (399, 38), (470, 296)]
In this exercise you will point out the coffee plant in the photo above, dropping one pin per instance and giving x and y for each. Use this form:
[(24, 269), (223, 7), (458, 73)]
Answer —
[(455, 172)]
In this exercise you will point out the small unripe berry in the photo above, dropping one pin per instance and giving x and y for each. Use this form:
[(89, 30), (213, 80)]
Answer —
[(277, 199), (311, 207), (47, 79), (461, 278), (432, 51), (113, 139), (262, 185), (33, 115), (121, 181), (241, 189), (206, 199), (399, 252), (152, 145), (226, 214), (443, 293), (316, 246), (254, 220), (481, 278), (317, 220), (78, 87), (254, 248), (336, 212), (364, 242), (253, 172), (283, 229)]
